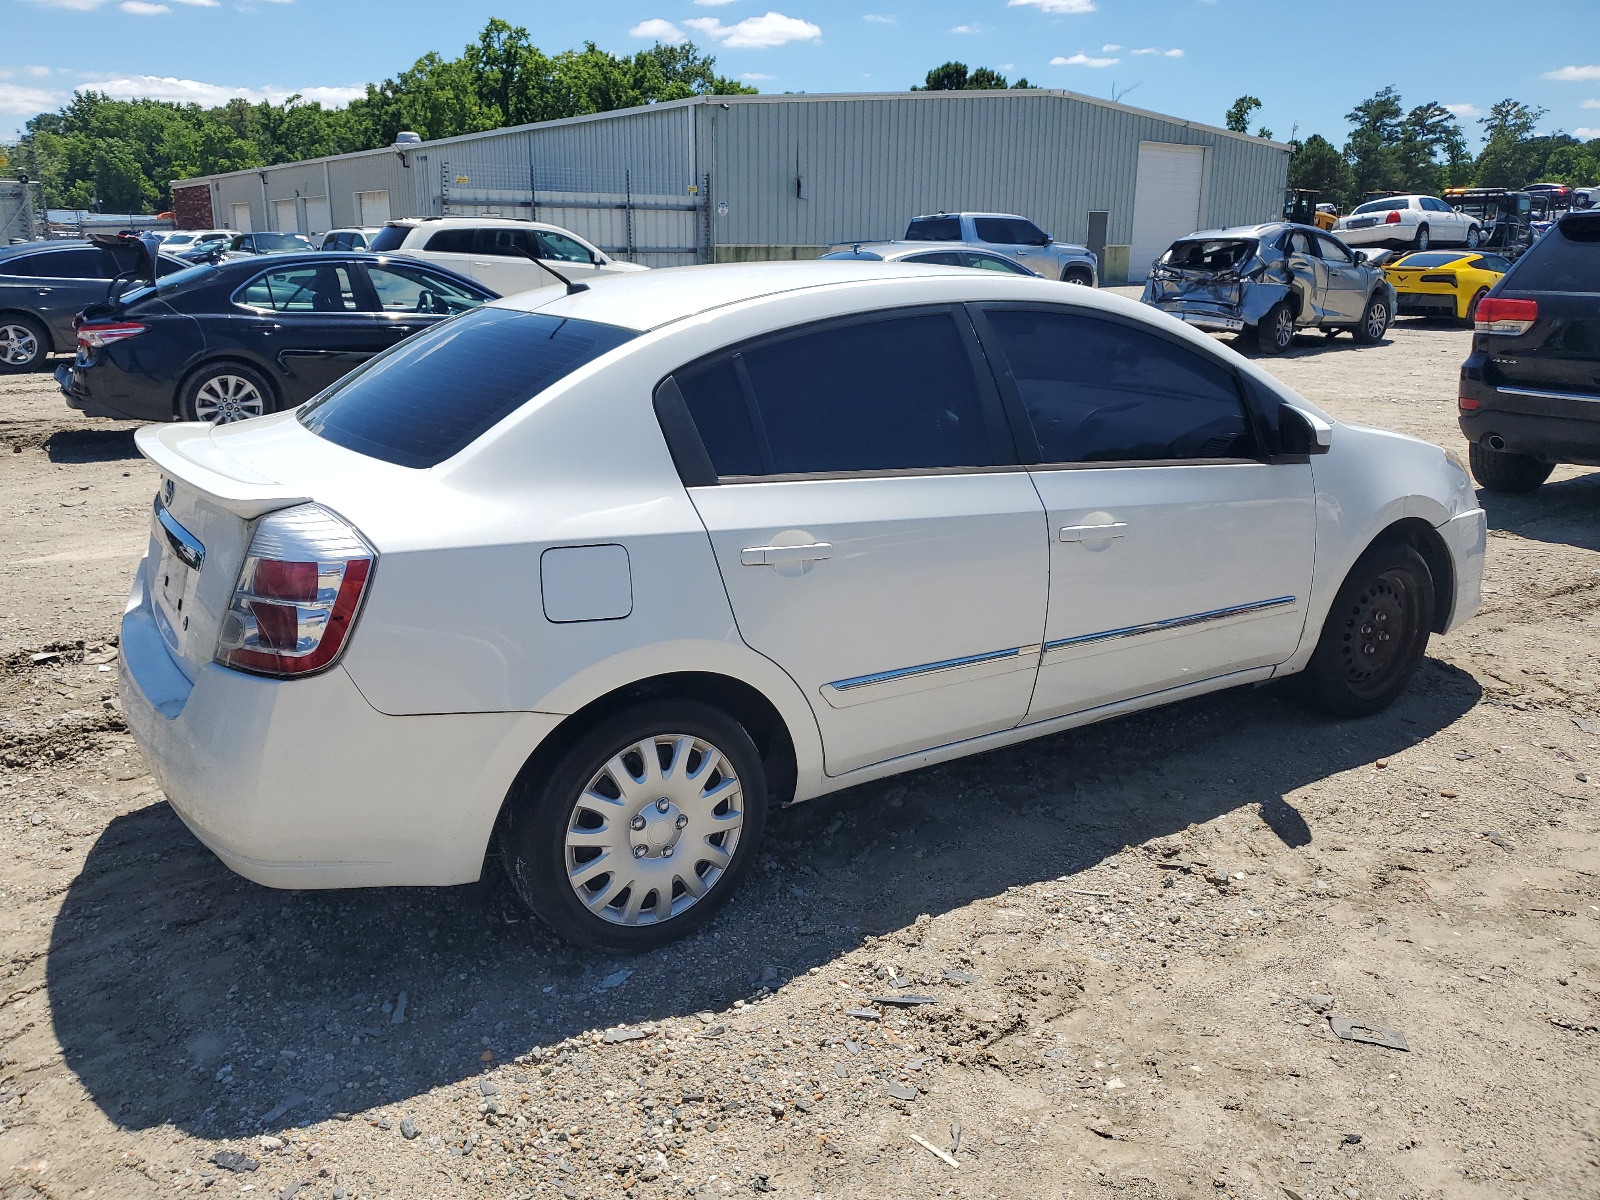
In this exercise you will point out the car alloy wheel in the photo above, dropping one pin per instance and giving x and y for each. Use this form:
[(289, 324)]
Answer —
[(20, 346), (1282, 329), (654, 830), (1374, 321), (223, 399), (1423, 240), (1472, 238)]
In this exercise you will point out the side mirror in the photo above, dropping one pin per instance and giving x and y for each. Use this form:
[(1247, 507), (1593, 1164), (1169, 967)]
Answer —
[(1301, 432)]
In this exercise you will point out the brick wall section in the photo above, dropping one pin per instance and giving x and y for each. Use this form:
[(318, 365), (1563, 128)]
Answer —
[(193, 207)]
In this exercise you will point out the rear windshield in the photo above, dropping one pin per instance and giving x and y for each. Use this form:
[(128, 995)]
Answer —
[(390, 237), (934, 229), (439, 390), (1431, 258), (1566, 259), (1213, 255), (1382, 206), (168, 283)]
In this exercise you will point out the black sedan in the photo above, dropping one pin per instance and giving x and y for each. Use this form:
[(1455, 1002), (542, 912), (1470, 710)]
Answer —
[(226, 341), (44, 284)]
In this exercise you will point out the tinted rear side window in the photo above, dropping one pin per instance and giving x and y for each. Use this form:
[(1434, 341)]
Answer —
[(451, 241), (1567, 259), (390, 237), (934, 229), (891, 394), (437, 391), (1098, 391)]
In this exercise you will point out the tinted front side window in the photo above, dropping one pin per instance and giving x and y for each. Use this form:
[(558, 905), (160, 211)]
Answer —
[(1097, 391), (1567, 259), (559, 247), (439, 390), (413, 290), (934, 229), (882, 395), (993, 262)]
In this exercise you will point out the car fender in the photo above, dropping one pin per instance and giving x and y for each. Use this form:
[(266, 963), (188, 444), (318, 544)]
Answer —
[(1369, 480)]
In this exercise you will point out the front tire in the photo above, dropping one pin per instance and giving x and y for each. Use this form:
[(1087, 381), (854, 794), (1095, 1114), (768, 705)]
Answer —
[(24, 345), (644, 828), (1473, 238), (1275, 331), (226, 392), (1078, 276), (1375, 321), (1506, 473), (1375, 634)]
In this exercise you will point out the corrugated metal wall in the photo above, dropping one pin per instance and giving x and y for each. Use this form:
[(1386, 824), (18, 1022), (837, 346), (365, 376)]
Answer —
[(813, 171), (796, 171)]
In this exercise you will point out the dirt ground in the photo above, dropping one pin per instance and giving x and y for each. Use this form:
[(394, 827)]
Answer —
[(1133, 935)]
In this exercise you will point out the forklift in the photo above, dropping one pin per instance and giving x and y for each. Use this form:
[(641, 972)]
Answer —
[(1300, 206)]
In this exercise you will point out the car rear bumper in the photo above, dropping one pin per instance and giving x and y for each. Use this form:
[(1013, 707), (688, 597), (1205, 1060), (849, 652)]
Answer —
[(1202, 316), (86, 388), (302, 784), (1429, 304), (1553, 424), (1466, 537)]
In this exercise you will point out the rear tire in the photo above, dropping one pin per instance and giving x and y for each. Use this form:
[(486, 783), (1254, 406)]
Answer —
[(1375, 634), (1423, 240), (1473, 238), (1275, 331), (24, 345), (1472, 307), (1375, 321), (225, 392), (680, 835), (1506, 473)]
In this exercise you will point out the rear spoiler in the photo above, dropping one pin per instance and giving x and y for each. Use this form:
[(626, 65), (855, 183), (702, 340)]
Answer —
[(187, 453)]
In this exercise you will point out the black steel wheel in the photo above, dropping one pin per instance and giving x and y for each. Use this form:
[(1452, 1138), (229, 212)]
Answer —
[(1275, 331), (1375, 634), (1506, 473), (642, 830)]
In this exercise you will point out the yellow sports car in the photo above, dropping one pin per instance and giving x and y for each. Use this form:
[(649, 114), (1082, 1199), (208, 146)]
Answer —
[(1444, 283)]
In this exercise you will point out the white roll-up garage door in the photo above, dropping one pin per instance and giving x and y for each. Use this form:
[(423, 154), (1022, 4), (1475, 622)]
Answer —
[(239, 217), (286, 216), (317, 220), (1166, 201), (372, 208)]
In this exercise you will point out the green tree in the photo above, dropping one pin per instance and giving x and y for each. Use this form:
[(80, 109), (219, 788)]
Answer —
[(984, 80), (1240, 112), (1318, 166), (1431, 150), (951, 77), (1373, 150), (1511, 156)]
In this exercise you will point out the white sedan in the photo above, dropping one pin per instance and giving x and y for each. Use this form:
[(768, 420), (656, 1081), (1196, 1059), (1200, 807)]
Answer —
[(604, 575), (1408, 222)]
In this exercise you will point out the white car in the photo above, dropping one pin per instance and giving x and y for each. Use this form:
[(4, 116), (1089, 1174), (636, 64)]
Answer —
[(604, 576), (192, 239), (1409, 223), (502, 253), (352, 238)]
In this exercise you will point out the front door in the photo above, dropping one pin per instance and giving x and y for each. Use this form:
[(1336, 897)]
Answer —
[(876, 537), (1018, 239), (1347, 281), (408, 298), (312, 322), (1310, 276), (1178, 554)]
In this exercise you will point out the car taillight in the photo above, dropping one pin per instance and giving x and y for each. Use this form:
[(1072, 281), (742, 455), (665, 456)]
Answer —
[(1392, 219), (1512, 317), (1467, 404), (96, 336), (1444, 278), (298, 594)]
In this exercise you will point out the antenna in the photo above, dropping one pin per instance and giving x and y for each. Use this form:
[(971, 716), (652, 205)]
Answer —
[(572, 288), (1117, 96)]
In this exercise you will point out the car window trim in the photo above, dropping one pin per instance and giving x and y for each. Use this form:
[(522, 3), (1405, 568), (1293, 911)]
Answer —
[(1017, 411), (997, 425), (357, 279)]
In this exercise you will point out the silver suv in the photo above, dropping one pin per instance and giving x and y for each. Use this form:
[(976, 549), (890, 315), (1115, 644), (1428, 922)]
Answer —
[(1012, 236)]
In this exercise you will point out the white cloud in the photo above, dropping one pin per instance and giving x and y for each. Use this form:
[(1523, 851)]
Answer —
[(712, 3), (1574, 74), (1083, 60), (973, 28), (19, 101), (1054, 6), (878, 19), (756, 77), (1466, 112), (1110, 48), (756, 33), (73, 5), (659, 30), (1584, 135), (41, 72), (1585, 104), (184, 91), (1158, 50), (138, 8)]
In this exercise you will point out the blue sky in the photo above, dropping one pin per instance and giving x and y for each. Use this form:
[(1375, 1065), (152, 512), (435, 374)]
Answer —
[(1309, 63)]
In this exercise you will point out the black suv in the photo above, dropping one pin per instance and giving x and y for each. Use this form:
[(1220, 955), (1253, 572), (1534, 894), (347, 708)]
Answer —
[(1530, 390)]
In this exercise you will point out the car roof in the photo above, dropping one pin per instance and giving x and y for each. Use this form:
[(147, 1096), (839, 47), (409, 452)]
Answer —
[(650, 299), (1265, 229), (35, 247), (896, 249), (969, 213)]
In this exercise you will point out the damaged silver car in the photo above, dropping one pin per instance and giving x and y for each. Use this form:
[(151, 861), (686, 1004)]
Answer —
[(1268, 281)]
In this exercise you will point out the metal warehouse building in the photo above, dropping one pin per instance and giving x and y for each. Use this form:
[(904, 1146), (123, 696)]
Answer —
[(731, 178)]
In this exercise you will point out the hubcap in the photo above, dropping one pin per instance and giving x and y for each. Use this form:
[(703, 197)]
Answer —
[(223, 399), (1379, 631), (1472, 239), (655, 830), (18, 345), (1422, 240)]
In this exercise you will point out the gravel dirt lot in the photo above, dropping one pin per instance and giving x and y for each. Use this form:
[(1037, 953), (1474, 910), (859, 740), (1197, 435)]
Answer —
[(1133, 936)]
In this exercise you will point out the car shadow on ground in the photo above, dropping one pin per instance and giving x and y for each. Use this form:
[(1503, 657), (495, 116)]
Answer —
[(1562, 512), (181, 994), (90, 445)]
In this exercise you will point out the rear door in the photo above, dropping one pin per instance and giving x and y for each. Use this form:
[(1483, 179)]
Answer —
[(1344, 280), (1310, 274), (1178, 553), (309, 319), (876, 536)]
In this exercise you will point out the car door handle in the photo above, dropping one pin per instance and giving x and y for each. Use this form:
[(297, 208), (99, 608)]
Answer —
[(771, 556), (43, 291), (1093, 533)]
